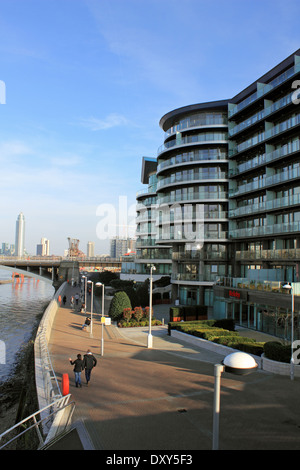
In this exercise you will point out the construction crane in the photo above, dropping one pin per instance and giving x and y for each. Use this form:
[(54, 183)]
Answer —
[(74, 247)]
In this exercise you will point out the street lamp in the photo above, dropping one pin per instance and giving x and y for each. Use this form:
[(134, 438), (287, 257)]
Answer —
[(102, 317), (85, 280), (236, 363), (289, 287), (91, 330), (149, 341)]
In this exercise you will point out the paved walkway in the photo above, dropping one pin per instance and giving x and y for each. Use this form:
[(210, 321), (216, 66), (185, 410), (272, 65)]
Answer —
[(162, 398)]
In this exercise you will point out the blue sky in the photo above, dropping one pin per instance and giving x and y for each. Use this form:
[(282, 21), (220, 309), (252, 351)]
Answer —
[(87, 82)]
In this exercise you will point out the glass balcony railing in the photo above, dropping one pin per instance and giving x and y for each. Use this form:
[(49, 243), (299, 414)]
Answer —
[(195, 277), (265, 230), (173, 179), (259, 284), (193, 156), (262, 159), (268, 255), (199, 255), (280, 203), (170, 217), (193, 139), (263, 136), (265, 182), (286, 100), (197, 197), (265, 89), (202, 119)]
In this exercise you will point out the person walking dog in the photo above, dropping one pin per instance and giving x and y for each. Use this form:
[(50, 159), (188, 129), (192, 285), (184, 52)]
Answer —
[(89, 362)]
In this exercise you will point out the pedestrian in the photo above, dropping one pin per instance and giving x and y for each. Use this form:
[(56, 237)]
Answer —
[(76, 298), (72, 301), (82, 310), (89, 362), (78, 368), (86, 323), (64, 299), (59, 300)]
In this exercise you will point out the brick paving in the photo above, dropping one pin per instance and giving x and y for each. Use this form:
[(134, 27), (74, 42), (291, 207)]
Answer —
[(162, 398)]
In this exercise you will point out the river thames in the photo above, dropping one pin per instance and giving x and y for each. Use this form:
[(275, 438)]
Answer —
[(20, 311)]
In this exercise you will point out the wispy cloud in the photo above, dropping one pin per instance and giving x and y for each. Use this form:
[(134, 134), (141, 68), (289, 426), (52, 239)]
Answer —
[(112, 120)]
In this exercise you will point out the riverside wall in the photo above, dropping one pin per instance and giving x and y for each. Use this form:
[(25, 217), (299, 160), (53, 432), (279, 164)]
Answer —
[(46, 384)]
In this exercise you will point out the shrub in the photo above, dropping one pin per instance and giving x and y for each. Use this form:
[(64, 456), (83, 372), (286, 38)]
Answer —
[(119, 302), (226, 323), (138, 313), (127, 314), (277, 351)]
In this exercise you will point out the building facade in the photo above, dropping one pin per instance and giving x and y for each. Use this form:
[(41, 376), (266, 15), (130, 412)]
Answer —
[(20, 236), (192, 196), (121, 246), (264, 201), (148, 248), (90, 252), (226, 189)]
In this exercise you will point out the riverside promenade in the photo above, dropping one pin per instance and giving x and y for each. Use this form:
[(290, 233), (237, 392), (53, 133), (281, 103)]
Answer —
[(161, 399)]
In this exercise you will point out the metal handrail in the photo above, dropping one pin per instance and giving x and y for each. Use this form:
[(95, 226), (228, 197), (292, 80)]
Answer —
[(61, 404)]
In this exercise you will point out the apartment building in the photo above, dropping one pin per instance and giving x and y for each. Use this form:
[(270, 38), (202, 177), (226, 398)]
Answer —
[(192, 198), (223, 198), (264, 201)]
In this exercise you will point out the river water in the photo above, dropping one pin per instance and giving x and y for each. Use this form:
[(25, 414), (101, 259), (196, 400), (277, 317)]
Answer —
[(20, 304)]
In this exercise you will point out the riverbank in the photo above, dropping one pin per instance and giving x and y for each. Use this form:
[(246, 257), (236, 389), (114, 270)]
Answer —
[(18, 397)]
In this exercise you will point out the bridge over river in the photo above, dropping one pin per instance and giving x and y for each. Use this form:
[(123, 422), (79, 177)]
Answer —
[(58, 269)]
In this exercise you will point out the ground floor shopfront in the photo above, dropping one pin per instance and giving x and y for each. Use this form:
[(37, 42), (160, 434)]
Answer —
[(270, 314)]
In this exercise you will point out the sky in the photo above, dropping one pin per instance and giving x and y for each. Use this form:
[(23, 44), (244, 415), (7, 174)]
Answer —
[(83, 85)]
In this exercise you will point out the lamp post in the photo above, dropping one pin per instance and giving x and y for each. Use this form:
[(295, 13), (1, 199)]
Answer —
[(149, 341), (102, 317), (92, 298), (289, 287), (85, 280), (236, 363)]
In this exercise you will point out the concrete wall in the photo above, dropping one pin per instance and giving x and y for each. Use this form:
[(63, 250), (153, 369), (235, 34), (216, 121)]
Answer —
[(46, 384)]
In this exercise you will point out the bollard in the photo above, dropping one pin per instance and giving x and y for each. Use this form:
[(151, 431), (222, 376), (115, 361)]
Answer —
[(65, 384)]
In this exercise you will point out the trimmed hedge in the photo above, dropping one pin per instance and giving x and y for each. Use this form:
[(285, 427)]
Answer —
[(214, 330), (277, 351)]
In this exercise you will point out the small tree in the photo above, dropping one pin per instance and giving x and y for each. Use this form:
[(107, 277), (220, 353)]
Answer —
[(138, 313), (127, 314), (119, 302)]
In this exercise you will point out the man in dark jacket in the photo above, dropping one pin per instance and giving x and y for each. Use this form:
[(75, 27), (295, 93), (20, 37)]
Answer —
[(89, 361)]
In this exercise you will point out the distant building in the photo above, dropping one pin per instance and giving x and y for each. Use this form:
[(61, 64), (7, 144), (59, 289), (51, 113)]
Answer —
[(43, 249), (20, 235), (7, 249), (121, 246), (90, 252)]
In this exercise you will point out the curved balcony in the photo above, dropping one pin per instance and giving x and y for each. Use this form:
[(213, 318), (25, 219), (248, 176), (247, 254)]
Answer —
[(177, 179), (206, 155), (198, 120), (203, 138), (195, 197)]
